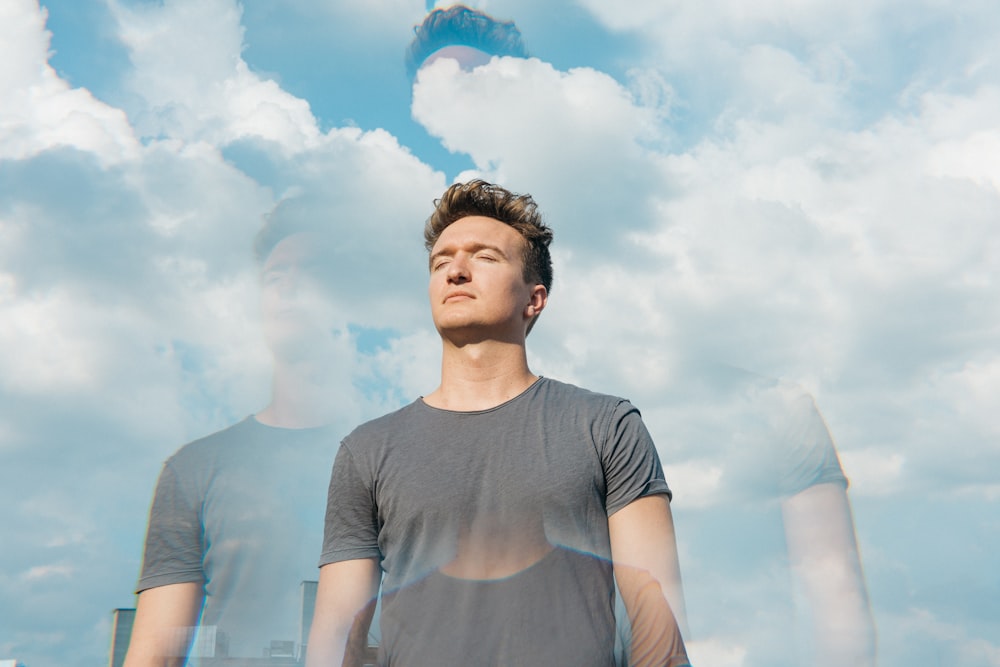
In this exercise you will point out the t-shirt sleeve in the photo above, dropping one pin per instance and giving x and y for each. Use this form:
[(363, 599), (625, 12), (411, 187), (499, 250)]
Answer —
[(632, 467), (811, 455), (174, 542), (351, 529)]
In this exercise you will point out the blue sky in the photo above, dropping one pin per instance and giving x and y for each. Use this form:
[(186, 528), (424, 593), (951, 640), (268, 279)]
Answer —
[(809, 190)]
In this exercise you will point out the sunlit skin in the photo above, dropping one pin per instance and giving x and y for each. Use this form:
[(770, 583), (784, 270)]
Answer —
[(823, 553), (481, 305), (294, 307), (477, 287), (300, 326)]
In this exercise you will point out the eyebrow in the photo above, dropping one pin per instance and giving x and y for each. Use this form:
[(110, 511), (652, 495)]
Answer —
[(448, 251)]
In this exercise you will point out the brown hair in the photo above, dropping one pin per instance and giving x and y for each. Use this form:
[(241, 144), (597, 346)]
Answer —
[(460, 25)]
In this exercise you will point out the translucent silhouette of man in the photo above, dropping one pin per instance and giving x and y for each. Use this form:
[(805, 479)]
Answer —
[(236, 517), (501, 507), (773, 573)]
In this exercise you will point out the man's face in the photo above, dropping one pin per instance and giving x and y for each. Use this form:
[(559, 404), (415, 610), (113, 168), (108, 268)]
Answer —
[(477, 280), (296, 310)]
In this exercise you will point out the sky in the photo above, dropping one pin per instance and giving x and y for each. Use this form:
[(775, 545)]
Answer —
[(807, 190)]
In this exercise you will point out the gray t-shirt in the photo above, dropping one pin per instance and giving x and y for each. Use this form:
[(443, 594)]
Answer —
[(421, 489), (240, 511)]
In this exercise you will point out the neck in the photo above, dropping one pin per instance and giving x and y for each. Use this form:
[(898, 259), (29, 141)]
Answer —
[(479, 376), (300, 397)]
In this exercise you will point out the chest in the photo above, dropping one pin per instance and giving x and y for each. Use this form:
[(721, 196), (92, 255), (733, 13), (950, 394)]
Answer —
[(488, 484)]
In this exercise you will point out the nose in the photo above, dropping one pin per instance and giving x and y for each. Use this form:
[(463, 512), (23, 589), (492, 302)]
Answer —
[(458, 270)]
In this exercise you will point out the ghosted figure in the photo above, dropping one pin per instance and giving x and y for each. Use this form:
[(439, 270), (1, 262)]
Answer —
[(236, 517), (772, 570), (467, 35), (502, 507)]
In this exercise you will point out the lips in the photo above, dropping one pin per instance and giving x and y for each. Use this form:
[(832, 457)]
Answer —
[(457, 296)]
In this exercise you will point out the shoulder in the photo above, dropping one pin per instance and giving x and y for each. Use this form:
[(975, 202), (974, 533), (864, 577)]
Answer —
[(206, 449), (213, 442), (554, 390), (384, 427), (604, 417)]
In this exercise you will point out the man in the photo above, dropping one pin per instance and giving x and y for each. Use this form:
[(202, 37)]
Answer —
[(497, 505), (235, 518)]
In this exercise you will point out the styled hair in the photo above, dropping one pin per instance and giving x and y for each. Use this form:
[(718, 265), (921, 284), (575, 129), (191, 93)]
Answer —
[(479, 198), (459, 25)]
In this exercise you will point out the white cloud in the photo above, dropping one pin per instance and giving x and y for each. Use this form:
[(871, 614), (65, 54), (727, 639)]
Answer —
[(54, 352), (716, 652), (193, 83), (964, 647), (61, 571), (873, 471), (802, 228), (697, 482), (42, 111), (548, 132)]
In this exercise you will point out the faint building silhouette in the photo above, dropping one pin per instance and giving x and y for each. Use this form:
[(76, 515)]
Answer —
[(121, 632)]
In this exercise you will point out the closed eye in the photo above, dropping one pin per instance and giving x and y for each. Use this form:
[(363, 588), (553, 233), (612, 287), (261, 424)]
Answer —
[(273, 277)]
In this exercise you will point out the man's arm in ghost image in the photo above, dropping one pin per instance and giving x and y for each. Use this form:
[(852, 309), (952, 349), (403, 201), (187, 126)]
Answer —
[(826, 566), (345, 603), (164, 618)]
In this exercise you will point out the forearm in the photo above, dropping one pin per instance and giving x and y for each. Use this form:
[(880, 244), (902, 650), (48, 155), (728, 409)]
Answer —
[(826, 564), (357, 639), (164, 621), (843, 629), (643, 539), (655, 637), (345, 603), (644, 551), (339, 642)]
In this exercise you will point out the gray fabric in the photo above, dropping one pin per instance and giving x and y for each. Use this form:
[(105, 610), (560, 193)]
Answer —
[(556, 460), (556, 612), (240, 511)]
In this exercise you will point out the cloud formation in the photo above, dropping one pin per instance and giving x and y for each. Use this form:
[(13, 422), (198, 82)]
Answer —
[(790, 189)]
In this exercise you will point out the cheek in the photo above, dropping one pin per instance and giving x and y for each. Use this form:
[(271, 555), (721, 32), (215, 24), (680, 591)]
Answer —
[(436, 282), (269, 299)]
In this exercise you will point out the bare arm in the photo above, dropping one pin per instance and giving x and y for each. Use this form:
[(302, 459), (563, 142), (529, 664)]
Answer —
[(344, 605), (823, 552), (163, 618), (644, 551)]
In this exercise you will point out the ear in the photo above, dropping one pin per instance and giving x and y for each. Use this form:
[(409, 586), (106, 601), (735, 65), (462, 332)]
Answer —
[(538, 299)]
